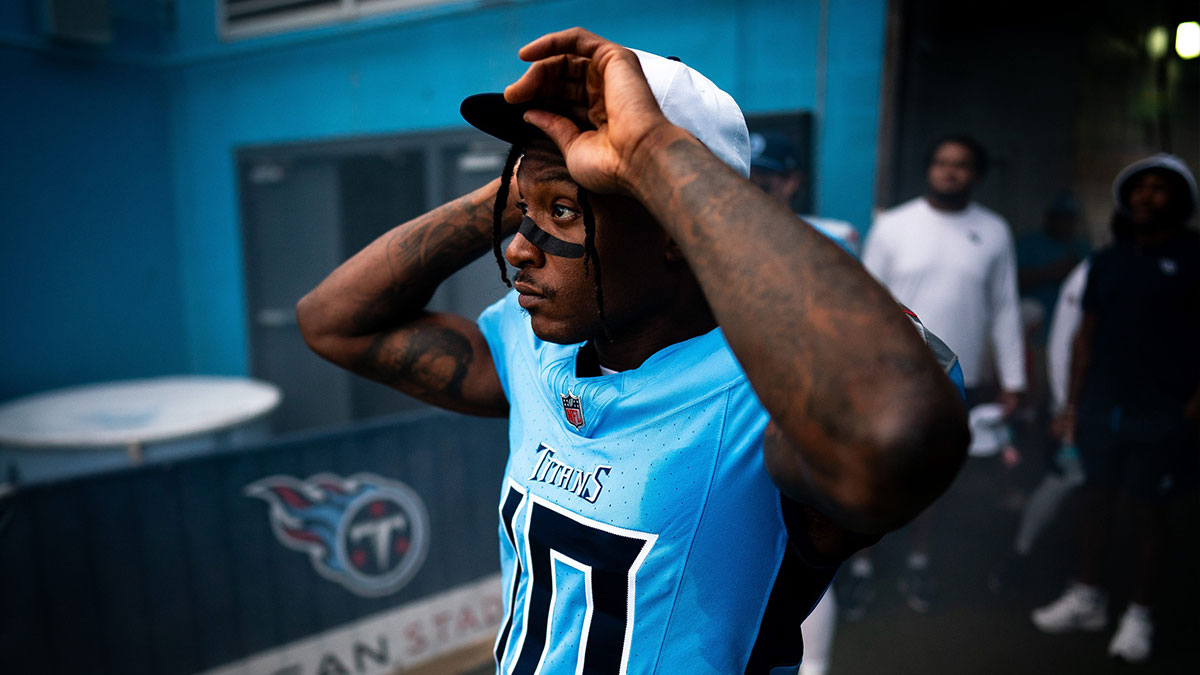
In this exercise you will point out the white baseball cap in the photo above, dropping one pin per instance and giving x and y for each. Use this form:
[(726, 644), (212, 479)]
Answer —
[(1164, 161), (687, 98)]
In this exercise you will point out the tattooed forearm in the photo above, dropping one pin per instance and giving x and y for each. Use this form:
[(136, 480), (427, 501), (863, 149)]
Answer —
[(422, 254), (857, 395), (816, 330), (369, 314), (432, 361)]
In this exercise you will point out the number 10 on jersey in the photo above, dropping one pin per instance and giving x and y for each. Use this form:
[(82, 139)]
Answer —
[(609, 558)]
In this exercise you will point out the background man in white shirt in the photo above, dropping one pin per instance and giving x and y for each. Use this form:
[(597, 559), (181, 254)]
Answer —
[(952, 261)]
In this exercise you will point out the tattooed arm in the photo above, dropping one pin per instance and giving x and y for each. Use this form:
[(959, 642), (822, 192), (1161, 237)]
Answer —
[(865, 425), (369, 315)]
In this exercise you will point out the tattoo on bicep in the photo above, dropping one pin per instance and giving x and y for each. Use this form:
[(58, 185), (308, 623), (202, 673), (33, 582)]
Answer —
[(432, 360), (421, 256)]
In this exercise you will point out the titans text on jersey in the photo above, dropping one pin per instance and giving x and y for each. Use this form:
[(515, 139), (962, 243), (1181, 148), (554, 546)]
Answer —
[(586, 484)]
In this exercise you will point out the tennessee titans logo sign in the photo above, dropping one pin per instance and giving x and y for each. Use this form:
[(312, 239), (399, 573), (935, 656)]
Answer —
[(573, 409), (366, 533)]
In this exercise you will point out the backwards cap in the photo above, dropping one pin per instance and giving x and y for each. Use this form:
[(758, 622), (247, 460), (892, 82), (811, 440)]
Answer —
[(1163, 161), (687, 99)]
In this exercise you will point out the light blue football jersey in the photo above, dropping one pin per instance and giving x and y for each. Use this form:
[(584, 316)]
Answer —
[(639, 530)]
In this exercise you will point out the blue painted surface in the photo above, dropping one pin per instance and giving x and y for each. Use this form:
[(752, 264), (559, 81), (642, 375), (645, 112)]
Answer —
[(176, 104), (15, 17), (846, 147), (89, 260)]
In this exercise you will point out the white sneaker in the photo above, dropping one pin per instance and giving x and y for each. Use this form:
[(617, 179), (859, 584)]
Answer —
[(1134, 636), (1080, 608)]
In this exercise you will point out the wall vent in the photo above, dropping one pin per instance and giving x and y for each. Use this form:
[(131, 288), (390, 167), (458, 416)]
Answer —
[(248, 18)]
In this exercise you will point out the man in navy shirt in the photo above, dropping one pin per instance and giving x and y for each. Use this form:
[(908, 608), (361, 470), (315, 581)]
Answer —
[(1133, 403)]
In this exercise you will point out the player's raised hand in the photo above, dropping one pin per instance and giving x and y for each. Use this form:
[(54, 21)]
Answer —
[(603, 83)]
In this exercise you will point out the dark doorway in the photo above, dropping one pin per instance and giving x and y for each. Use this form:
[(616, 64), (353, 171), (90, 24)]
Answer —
[(1062, 94)]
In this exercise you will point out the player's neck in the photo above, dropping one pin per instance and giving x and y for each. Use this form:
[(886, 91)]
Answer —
[(629, 348)]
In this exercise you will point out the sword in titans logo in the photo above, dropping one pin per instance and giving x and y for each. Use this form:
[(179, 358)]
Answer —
[(367, 533)]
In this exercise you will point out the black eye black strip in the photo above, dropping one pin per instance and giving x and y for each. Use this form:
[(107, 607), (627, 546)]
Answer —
[(548, 242)]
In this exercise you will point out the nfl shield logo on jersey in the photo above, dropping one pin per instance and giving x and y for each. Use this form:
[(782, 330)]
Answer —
[(572, 409)]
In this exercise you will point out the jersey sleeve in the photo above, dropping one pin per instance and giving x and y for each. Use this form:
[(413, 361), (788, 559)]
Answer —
[(945, 356)]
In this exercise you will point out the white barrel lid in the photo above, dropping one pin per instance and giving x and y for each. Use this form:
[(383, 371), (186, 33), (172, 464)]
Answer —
[(134, 411)]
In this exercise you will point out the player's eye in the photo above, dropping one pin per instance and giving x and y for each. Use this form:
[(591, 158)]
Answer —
[(562, 212), (523, 206)]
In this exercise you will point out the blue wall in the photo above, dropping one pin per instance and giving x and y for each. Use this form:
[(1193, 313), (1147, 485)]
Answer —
[(89, 257), (201, 99)]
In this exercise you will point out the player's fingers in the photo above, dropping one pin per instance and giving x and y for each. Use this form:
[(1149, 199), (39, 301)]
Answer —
[(617, 85), (571, 41), (558, 128), (597, 114), (560, 77)]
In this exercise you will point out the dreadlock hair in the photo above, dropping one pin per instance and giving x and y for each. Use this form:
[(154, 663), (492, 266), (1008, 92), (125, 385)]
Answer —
[(589, 251), (590, 256), (510, 163)]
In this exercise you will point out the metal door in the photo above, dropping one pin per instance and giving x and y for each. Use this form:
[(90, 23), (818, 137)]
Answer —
[(307, 208)]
